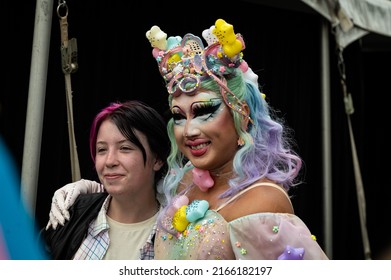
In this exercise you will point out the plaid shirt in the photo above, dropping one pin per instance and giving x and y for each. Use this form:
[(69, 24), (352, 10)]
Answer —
[(95, 245)]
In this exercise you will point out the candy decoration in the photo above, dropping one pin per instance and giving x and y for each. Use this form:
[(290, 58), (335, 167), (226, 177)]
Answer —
[(202, 179), (177, 203), (209, 37), (186, 214), (157, 37), (227, 38), (196, 210), (180, 201), (173, 41), (292, 253), (243, 251), (179, 221)]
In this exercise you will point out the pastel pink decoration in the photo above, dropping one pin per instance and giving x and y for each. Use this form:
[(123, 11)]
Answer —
[(180, 201), (202, 179), (176, 204), (155, 52), (240, 38), (243, 66), (171, 211)]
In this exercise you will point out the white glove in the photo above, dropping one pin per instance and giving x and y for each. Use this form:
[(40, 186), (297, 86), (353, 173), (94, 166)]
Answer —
[(64, 198)]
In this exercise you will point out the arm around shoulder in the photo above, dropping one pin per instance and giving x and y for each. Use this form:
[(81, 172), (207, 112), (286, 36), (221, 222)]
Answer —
[(65, 197)]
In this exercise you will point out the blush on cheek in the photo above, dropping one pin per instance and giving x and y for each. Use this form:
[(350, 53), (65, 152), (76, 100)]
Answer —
[(178, 133), (224, 120)]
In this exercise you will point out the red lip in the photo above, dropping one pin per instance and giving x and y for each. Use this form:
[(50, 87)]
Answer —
[(195, 142), (200, 151)]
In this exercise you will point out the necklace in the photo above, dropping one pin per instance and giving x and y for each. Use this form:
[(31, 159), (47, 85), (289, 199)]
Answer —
[(225, 174)]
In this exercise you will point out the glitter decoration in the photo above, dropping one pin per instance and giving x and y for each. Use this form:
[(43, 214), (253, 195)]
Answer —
[(257, 236)]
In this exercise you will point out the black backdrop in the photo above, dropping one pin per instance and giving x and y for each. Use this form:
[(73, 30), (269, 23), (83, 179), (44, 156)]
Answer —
[(282, 47)]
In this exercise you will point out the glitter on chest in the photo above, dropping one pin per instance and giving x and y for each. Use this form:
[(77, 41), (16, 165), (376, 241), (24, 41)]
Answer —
[(205, 238)]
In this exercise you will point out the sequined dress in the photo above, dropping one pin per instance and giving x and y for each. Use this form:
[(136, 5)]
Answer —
[(257, 236)]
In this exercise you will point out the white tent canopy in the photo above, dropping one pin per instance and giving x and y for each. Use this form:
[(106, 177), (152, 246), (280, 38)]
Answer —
[(352, 19)]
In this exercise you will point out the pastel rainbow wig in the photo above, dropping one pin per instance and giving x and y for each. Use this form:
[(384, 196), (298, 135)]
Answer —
[(187, 66)]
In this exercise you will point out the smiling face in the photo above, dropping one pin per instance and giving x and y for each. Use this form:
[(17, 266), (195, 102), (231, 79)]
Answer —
[(204, 130), (120, 163)]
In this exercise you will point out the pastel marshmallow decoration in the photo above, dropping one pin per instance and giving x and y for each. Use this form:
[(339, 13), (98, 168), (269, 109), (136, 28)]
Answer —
[(173, 42), (209, 37), (180, 201), (177, 203), (179, 221), (156, 52), (196, 210), (227, 38), (202, 179), (157, 37)]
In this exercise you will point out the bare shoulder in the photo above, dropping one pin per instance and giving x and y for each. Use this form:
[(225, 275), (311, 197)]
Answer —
[(260, 199)]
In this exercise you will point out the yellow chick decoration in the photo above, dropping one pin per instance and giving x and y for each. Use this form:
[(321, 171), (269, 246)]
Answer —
[(227, 38), (179, 221)]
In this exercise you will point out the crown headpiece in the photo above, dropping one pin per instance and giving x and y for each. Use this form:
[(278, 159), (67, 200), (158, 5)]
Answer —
[(185, 62)]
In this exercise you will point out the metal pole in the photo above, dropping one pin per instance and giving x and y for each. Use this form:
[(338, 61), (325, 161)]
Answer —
[(326, 136), (36, 102)]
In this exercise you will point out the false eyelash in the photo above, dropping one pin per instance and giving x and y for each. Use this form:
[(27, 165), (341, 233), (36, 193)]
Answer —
[(206, 107)]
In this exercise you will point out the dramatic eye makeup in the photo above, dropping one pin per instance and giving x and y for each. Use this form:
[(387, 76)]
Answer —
[(206, 109), (201, 110), (177, 114)]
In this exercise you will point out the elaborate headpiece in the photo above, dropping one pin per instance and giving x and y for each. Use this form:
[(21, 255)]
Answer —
[(185, 62)]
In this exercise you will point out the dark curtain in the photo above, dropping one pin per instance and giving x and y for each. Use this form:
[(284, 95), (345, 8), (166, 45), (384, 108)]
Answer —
[(367, 62), (282, 47)]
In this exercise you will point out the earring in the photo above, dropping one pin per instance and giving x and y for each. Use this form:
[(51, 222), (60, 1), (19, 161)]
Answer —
[(240, 142)]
